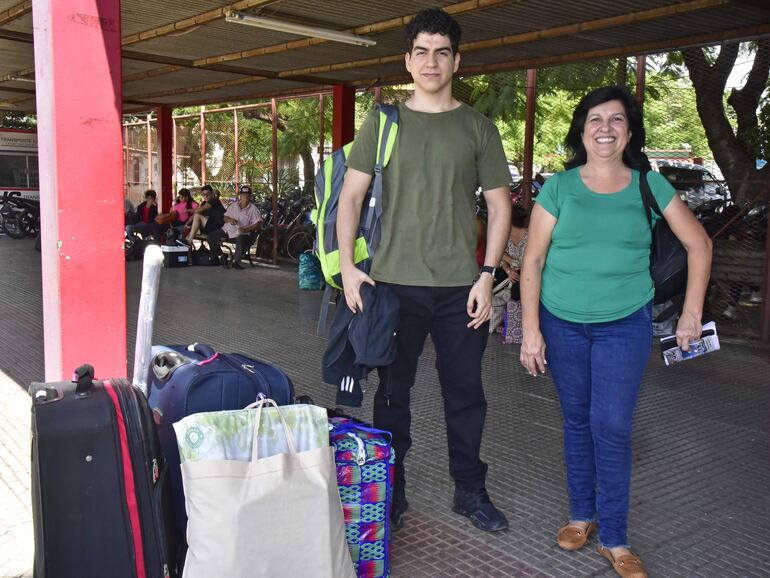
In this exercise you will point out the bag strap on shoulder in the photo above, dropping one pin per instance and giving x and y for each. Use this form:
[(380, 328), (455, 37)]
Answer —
[(648, 199), (388, 129)]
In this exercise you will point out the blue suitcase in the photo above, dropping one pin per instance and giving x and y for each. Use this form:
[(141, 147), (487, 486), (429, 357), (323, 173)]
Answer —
[(184, 380)]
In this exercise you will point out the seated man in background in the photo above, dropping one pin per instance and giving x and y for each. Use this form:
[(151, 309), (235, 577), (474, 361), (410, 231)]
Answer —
[(209, 216), (146, 212), (242, 221)]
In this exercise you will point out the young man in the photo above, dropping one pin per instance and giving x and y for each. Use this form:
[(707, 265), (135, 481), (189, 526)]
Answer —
[(209, 216), (444, 153), (242, 219), (146, 212)]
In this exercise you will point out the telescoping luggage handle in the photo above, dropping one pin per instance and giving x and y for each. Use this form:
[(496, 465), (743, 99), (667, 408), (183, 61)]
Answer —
[(153, 263)]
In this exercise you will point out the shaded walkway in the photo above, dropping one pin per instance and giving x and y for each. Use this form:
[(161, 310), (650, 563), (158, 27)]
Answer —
[(700, 500)]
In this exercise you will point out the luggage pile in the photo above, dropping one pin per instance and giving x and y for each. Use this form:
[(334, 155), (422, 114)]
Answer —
[(204, 467)]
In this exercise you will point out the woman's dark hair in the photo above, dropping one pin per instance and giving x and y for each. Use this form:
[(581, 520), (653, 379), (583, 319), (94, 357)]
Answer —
[(150, 193), (633, 156), (433, 21), (185, 194), (519, 217)]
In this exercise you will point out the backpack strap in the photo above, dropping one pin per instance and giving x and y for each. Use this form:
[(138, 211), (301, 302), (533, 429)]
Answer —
[(324, 313), (388, 130), (648, 199)]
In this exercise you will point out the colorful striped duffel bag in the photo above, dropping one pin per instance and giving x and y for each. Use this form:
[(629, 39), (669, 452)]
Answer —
[(365, 469)]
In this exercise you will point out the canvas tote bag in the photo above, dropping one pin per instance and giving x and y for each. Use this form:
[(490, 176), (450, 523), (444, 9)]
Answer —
[(274, 516)]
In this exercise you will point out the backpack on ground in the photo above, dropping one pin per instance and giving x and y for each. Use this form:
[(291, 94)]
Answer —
[(328, 185)]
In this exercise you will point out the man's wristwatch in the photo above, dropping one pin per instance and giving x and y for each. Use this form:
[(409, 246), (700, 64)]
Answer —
[(488, 269)]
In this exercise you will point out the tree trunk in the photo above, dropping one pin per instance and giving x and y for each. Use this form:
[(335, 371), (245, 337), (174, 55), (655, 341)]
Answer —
[(308, 169), (732, 151), (621, 78)]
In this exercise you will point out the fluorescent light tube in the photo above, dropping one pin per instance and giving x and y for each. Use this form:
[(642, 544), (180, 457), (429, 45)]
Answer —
[(299, 29)]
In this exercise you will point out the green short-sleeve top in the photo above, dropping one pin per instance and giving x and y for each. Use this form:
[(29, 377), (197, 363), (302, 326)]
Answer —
[(598, 264), (429, 193)]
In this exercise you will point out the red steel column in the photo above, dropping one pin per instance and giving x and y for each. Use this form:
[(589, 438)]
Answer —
[(203, 145), (165, 152), (77, 45), (236, 154), (148, 128), (343, 115), (529, 136)]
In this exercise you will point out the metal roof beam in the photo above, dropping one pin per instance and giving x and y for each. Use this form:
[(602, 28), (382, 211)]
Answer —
[(175, 64), (193, 21), (15, 36), (709, 39), (14, 76), (15, 12), (374, 28), (527, 37)]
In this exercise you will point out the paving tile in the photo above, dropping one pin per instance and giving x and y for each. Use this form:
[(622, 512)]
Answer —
[(700, 505)]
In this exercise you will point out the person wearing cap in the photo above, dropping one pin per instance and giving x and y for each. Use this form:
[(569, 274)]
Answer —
[(242, 221), (209, 216)]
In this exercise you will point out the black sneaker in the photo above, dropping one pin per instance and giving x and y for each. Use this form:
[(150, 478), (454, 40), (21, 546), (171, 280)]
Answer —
[(223, 261), (237, 265), (476, 505), (397, 510)]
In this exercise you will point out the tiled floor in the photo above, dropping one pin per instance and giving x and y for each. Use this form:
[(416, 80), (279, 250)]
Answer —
[(700, 490)]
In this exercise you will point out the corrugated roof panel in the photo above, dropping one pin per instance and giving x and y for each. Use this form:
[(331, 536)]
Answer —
[(181, 79), (514, 17)]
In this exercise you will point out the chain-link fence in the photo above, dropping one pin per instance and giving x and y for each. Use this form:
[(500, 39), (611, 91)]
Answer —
[(140, 159)]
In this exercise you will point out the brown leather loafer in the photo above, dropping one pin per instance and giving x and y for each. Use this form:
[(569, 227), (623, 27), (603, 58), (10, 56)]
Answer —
[(627, 566), (571, 537)]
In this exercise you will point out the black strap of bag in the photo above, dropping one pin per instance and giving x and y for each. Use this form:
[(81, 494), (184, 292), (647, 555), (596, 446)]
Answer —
[(648, 199), (668, 257)]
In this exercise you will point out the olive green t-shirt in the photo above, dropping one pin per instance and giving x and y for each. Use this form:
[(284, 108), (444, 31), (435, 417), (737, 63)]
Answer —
[(429, 193), (598, 264)]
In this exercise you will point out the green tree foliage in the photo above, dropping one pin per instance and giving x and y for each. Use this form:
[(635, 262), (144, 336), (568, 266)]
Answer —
[(671, 113), (736, 126), (18, 120), (671, 117)]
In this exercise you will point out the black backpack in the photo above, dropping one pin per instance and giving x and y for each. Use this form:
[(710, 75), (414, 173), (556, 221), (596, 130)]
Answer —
[(204, 257), (668, 257), (134, 247)]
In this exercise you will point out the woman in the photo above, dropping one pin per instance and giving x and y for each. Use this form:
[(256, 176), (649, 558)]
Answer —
[(586, 298), (184, 207), (517, 242), (182, 210)]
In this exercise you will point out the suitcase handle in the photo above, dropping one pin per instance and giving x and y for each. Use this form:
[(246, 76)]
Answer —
[(83, 376), (202, 349)]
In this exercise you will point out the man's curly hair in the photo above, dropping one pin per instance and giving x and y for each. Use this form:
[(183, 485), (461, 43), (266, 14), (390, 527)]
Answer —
[(433, 21)]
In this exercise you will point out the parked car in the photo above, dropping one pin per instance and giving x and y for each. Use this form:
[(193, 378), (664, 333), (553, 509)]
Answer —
[(701, 190)]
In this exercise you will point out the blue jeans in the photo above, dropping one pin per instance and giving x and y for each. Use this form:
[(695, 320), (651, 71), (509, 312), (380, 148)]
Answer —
[(598, 369)]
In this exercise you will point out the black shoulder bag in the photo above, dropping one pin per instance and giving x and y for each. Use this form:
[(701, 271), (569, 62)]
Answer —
[(668, 257)]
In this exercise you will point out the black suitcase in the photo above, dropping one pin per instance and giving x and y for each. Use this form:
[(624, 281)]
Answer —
[(100, 495)]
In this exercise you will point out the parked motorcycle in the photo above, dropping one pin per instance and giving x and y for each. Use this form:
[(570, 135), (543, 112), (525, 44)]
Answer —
[(19, 217)]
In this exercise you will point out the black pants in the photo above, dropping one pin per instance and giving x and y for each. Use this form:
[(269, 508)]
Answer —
[(242, 243), (440, 312)]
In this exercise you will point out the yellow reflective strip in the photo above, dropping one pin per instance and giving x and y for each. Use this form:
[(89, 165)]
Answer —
[(328, 166), (360, 252), (391, 142)]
